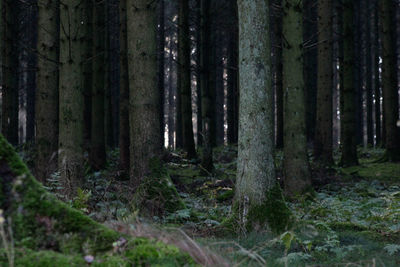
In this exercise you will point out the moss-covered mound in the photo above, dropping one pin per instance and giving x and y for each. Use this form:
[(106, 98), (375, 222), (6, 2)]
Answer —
[(47, 232), (157, 194)]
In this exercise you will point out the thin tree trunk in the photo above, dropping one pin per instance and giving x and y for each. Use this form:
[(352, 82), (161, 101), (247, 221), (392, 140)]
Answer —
[(389, 80), (124, 141), (348, 97), (206, 96), (185, 79), (323, 133), (97, 154), (9, 75)]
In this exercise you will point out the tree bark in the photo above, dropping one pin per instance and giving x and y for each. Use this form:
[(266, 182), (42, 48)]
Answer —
[(185, 79), (97, 156), (9, 76), (347, 94), (144, 94), (323, 132), (389, 80), (72, 29), (296, 166), (124, 142), (46, 109)]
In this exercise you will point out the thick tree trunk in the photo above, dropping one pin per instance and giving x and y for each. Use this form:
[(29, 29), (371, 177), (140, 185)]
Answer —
[(389, 80), (97, 156), (144, 95), (296, 166), (347, 94), (185, 79), (256, 171), (72, 29), (46, 118), (368, 72), (323, 132)]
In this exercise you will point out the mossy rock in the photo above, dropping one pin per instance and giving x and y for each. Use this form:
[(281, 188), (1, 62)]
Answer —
[(156, 193), (42, 225)]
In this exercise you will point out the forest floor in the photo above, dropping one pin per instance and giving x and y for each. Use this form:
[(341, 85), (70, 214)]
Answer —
[(353, 219)]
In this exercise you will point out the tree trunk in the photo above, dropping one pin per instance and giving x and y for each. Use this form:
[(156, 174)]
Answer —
[(256, 170), (296, 166), (144, 95), (70, 160), (277, 69), (368, 72), (124, 141), (376, 74), (97, 156), (9, 69), (389, 80), (185, 79), (347, 94), (161, 65), (206, 96), (232, 83), (46, 109), (310, 39), (323, 132)]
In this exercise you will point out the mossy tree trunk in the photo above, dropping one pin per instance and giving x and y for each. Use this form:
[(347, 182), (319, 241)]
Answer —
[(389, 80), (256, 171), (144, 95), (72, 43), (46, 108), (348, 92), (97, 156), (376, 73), (124, 141), (184, 78), (206, 96), (9, 61), (323, 130), (296, 166)]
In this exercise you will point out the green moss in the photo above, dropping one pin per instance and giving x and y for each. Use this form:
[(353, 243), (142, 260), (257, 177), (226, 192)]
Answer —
[(157, 193), (386, 171), (145, 253), (40, 221), (274, 211), (226, 195)]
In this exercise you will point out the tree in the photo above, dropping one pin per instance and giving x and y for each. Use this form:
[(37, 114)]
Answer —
[(206, 94), (124, 141), (296, 166), (97, 154), (9, 61), (46, 108), (70, 160), (389, 80), (256, 170), (184, 79), (323, 132), (232, 71), (348, 97), (143, 90)]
